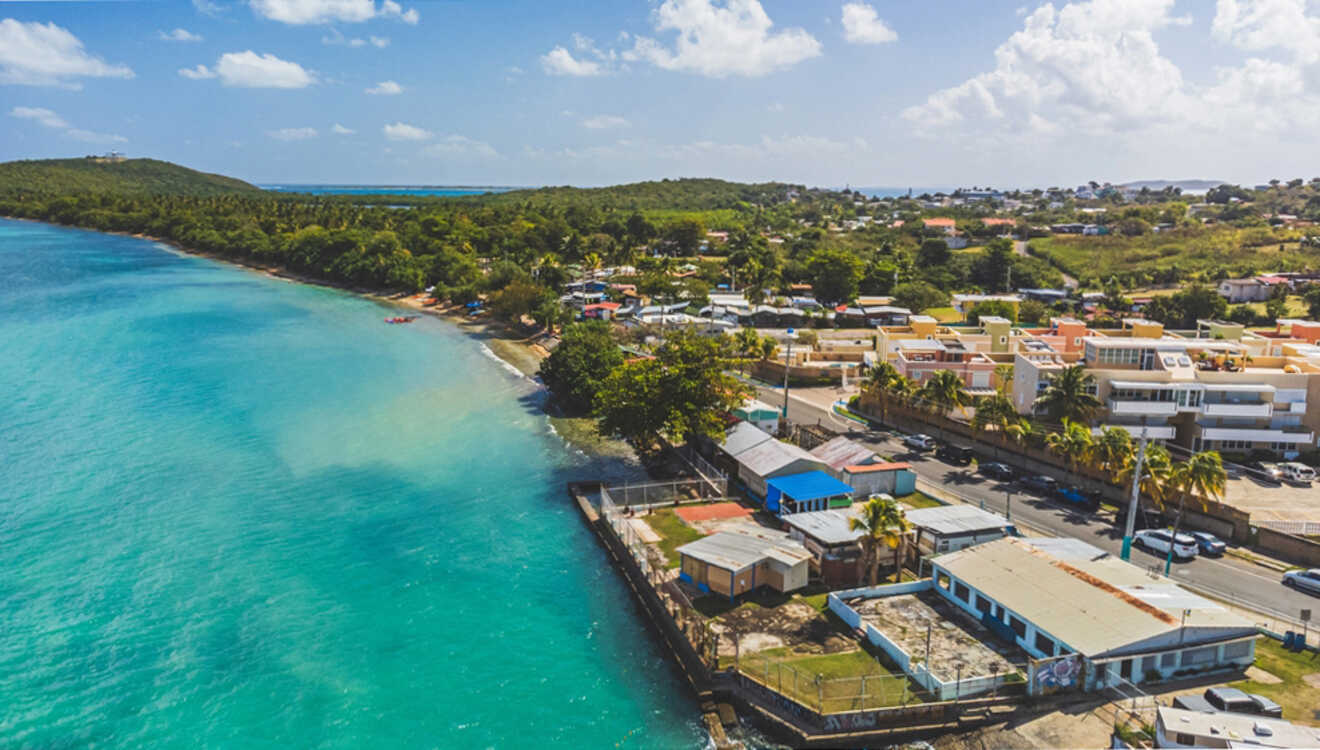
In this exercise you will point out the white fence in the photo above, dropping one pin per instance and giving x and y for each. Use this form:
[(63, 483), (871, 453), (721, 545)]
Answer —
[(1296, 528)]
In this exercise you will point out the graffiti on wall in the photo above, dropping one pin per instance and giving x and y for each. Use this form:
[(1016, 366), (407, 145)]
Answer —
[(1057, 674)]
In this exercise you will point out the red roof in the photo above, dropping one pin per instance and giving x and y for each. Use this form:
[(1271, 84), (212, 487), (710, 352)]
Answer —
[(996, 222), (1272, 279), (868, 468), (940, 221)]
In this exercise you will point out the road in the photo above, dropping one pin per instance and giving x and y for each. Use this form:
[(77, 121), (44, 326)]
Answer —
[(1240, 582), (1020, 247)]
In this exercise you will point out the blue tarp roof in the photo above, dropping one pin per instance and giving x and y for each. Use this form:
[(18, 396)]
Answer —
[(812, 485)]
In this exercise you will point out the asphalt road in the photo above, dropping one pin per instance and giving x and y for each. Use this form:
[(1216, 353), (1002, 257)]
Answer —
[(1237, 581)]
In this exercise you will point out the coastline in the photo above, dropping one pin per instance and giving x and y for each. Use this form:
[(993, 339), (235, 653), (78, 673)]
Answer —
[(521, 352)]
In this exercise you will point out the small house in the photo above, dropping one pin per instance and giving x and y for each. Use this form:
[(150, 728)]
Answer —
[(835, 548), (949, 528), (860, 468), (759, 413), (770, 459), (808, 491), (732, 564)]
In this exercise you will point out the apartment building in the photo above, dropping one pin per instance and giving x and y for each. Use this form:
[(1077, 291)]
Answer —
[(919, 359)]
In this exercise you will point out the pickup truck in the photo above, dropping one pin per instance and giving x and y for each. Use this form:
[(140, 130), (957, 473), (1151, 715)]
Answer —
[(1229, 700)]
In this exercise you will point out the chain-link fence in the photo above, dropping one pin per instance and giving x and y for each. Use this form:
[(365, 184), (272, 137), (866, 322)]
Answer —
[(652, 494), (826, 695)]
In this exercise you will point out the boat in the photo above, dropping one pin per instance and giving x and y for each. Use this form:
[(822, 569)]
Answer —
[(401, 319)]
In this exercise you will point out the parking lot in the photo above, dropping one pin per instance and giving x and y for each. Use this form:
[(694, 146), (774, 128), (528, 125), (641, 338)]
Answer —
[(1277, 502)]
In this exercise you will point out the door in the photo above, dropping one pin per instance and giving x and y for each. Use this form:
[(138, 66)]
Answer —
[(1125, 669)]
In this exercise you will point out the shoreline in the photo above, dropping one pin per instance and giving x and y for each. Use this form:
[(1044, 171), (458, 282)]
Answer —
[(521, 352)]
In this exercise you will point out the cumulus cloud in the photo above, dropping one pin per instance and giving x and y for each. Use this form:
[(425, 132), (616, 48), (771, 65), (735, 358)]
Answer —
[(208, 8), (560, 62), (460, 146), (48, 119), (249, 70), (862, 25), (37, 54), (334, 36), (1090, 66), (301, 12), (179, 35), (735, 37), (401, 131), (604, 122), (338, 129), (386, 88), (292, 134), (1258, 25)]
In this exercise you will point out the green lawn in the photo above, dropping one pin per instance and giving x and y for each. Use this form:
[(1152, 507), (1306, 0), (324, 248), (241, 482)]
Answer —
[(944, 314), (920, 500), (1195, 249), (1300, 700), (841, 686), (673, 533)]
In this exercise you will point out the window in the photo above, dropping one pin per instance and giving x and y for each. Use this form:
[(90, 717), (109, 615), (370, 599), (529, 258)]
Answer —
[(961, 591), (982, 604), (1018, 626), (1185, 740), (1044, 644), (942, 580), (1197, 656), (1169, 660), (1148, 665), (1237, 650), (1003, 339)]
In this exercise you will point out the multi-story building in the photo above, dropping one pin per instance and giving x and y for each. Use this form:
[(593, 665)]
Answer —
[(919, 359)]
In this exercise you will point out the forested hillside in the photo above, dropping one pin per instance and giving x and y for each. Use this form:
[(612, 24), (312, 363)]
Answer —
[(94, 174)]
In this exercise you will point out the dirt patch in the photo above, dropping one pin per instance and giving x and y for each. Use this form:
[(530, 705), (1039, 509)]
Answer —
[(717, 511), (1265, 678), (958, 644), (793, 624), (1312, 679)]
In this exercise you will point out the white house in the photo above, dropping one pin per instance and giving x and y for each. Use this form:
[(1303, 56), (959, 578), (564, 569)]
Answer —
[(1238, 291)]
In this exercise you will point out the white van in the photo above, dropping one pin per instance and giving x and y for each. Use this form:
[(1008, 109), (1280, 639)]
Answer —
[(1297, 473)]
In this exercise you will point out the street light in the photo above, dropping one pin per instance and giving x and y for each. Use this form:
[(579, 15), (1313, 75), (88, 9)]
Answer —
[(788, 358)]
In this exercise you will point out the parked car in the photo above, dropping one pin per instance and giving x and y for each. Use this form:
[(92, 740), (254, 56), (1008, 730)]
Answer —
[(1229, 700), (1303, 580), (1209, 544), (954, 454), (1159, 540), (1076, 496), (919, 442), (995, 470), (1040, 483), (1296, 473), (1265, 471)]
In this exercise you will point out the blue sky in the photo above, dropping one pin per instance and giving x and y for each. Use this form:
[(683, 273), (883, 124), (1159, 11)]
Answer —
[(518, 92)]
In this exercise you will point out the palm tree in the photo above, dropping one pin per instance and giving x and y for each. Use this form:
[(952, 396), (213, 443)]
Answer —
[(1113, 450), (1020, 431), (1155, 472), (748, 343), (1069, 396), (879, 382), (881, 521), (995, 412), (1073, 443), (1201, 475), (945, 392)]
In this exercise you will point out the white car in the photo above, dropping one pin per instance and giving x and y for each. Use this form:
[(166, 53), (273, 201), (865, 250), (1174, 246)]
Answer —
[(1158, 540), (1303, 580), (1297, 473), (920, 442)]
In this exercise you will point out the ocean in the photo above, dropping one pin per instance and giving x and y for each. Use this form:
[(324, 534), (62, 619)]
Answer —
[(417, 190), (241, 512)]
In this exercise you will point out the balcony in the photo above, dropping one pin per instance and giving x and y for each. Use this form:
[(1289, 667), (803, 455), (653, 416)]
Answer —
[(1153, 432), (1238, 409), (1289, 435), (1142, 408)]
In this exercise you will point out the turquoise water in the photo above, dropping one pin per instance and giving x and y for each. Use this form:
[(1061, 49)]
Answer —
[(420, 190), (238, 512)]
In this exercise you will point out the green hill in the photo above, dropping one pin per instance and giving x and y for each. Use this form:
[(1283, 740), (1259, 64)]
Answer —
[(680, 195), (97, 175)]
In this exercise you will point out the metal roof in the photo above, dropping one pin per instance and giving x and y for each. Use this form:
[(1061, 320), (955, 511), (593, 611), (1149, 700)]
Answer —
[(770, 456), (809, 485), (1238, 730), (841, 452), (743, 436), (736, 552), (1088, 599), (956, 519), (827, 526)]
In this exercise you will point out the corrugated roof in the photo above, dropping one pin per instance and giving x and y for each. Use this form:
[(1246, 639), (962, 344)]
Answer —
[(1238, 730), (809, 485), (956, 519), (841, 452), (1085, 597), (736, 552), (770, 456), (828, 526), (868, 468), (742, 437)]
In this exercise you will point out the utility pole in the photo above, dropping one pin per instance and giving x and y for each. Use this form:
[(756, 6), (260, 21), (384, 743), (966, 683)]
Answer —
[(787, 359), (1135, 501)]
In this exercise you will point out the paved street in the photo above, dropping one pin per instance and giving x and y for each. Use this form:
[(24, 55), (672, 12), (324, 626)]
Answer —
[(1247, 584)]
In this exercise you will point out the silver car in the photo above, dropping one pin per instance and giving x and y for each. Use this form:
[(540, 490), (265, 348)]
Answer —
[(1303, 580)]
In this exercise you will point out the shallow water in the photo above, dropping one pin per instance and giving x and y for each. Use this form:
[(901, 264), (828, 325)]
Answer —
[(241, 512)]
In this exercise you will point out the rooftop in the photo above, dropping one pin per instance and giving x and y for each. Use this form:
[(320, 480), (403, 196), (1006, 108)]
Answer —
[(731, 551), (772, 455), (828, 526), (1090, 600), (1239, 730), (810, 485), (742, 437), (841, 452), (956, 519)]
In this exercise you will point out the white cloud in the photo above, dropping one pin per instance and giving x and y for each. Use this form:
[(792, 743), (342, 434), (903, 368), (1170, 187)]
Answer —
[(458, 146), (36, 54), (560, 62), (1090, 66), (249, 70), (198, 73), (1257, 25), (735, 37), (400, 131), (862, 25), (380, 42), (386, 88), (604, 122), (208, 8), (179, 35), (338, 129), (47, 118), (300, 12), (292, 134)]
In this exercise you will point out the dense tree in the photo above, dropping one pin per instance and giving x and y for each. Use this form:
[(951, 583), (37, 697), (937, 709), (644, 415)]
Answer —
[(919, 296), (882, 522), (992, 308), (1069, 395), (834, 276), (933, 252), (574, 371)]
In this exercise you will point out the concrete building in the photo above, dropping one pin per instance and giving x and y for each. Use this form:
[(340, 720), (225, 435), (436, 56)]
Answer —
[(732, 564), (771, 459), (919, 359), (1063, 597), (1237, 291), (949, 528)]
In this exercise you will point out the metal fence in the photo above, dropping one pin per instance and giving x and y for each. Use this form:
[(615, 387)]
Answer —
[(1296, 528), (651, 494), (826, 695)]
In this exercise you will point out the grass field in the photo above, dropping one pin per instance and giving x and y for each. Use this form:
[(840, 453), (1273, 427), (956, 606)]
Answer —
[(848, 680), (1202, 250), (673, 533), (1299, 697), (919, 500)]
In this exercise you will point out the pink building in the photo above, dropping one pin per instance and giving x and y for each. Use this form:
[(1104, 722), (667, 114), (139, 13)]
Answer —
[(919, 359)]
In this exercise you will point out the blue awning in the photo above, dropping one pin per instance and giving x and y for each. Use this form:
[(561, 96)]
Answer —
[(812, 485)]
